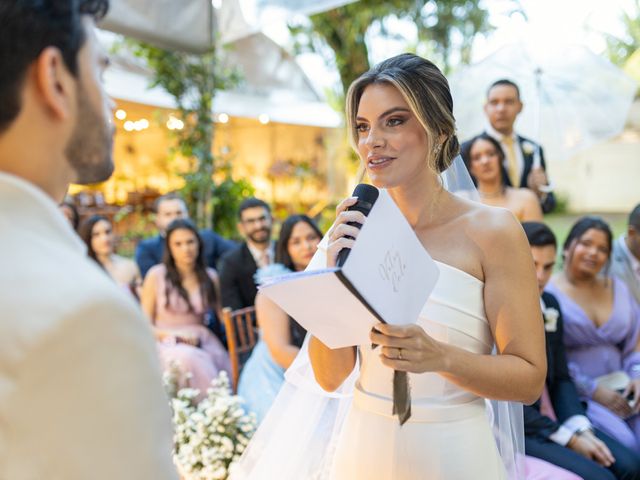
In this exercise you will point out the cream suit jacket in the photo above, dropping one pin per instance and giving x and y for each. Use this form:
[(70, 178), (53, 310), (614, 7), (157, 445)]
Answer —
[(80, 386)]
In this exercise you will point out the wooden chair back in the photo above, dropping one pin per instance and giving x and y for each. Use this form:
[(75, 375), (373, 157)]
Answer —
[(241, 338)]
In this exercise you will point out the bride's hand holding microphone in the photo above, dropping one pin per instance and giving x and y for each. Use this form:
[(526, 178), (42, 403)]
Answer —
[(341, 234), (404, 347)]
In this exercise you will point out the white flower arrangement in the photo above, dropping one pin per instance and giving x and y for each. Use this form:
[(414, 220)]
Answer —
[(209, 436), (528, 148), (551, 319)]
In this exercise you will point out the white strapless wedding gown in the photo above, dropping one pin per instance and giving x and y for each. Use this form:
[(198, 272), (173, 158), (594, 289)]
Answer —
[(448, 436)]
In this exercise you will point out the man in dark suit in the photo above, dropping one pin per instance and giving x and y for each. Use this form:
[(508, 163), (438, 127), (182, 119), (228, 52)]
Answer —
[(168, 208), (556, 427), (238, 266), (502, 108)]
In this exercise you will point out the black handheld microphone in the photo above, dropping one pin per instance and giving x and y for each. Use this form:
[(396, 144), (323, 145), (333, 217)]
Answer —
[(367, 196)]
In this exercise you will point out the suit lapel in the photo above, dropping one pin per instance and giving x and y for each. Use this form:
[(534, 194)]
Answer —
[(248, 261), (527, 162)]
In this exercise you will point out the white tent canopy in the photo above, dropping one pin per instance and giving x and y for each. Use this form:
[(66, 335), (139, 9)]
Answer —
[(193, 25), (274, 84)]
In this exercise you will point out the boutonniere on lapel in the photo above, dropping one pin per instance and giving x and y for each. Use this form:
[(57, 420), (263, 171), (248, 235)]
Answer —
[(528, 148), (550, 319)]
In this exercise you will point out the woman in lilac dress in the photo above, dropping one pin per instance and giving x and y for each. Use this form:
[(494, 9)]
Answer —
[(180, 295), (602, 322)]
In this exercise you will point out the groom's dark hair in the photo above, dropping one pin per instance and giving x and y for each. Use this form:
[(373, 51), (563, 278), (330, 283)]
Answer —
[(539, 235), (30, 26)]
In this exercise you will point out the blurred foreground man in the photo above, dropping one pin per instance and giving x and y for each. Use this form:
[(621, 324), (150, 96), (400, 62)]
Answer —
[(80, 387)]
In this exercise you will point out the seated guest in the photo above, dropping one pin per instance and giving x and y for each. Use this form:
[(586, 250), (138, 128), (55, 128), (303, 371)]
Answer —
[(169, 207), (556, 428), (484, 159), (180, 295), (97, 234), (625, 260), (280, 336), (70, 212), (602, 322), (238, 267)]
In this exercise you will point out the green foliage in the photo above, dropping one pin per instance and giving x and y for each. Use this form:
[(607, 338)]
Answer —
[(193, 81), (620, 49), (225, 196), (339, 34)]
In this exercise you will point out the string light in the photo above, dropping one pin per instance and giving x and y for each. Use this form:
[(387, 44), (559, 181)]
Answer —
[(138, 125), (174, 123)]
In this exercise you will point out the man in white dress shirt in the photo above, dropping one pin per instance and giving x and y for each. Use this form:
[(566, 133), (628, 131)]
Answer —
[(81, 396), (625, 259)]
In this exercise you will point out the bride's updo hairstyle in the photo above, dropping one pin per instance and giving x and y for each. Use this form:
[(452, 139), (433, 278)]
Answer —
[(426, 91)]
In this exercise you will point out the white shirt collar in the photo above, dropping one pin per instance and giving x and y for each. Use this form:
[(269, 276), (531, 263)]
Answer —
[(256, 253), (499, 136)]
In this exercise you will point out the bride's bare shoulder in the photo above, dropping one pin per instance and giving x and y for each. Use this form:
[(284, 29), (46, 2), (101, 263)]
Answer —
[(492, 227)]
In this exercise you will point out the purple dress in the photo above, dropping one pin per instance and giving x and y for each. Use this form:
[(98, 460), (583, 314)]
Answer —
[(594, 351)]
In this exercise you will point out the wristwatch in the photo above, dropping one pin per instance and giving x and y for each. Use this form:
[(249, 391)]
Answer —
[(582, 430)]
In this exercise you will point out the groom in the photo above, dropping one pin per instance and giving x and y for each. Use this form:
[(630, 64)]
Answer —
[(81, 395), (556, 427)]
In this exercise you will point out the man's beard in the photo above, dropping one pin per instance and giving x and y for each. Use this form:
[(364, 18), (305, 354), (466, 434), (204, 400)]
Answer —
[(90, 147), (260, 236)]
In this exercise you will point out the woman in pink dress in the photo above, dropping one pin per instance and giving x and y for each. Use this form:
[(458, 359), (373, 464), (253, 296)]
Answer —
[(180, 295)]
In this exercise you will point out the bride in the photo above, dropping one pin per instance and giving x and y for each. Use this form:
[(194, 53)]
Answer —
[(399, 115)]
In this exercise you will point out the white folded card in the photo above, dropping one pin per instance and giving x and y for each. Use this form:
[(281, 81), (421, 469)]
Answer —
[(387, 277)]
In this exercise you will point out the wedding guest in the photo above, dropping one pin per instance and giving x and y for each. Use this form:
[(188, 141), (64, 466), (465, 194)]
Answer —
[(280, 336), (602, 323), (81, 392), (180, 296), (502, 107), (70, 212), (238, 266), (169, 207), (97, 234), (625, 260), (556, 426), (484, 159)]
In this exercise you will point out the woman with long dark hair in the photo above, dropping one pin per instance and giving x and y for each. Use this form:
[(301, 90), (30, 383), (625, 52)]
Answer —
[(180, 295), (484, 159), (280, 336), (97, 233), (601, 331)]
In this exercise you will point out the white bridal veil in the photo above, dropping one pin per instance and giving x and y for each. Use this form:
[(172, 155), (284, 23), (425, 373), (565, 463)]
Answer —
[(298, 437)]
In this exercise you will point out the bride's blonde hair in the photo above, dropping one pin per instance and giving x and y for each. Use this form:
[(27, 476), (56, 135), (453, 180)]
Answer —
[(426, 91)]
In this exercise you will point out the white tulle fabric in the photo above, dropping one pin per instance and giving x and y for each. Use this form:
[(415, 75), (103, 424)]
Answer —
[(313, 434)]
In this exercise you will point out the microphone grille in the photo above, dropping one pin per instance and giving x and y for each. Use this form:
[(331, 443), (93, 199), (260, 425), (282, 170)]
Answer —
[(366, 193)]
